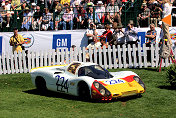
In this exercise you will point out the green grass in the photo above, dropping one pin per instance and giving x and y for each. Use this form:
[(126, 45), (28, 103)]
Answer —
[(19, 99)]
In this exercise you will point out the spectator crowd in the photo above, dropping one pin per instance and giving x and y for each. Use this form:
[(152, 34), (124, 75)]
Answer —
[(84, 14), (75, 14)]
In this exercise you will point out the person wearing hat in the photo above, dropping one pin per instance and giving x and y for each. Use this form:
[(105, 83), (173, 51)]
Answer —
[(118, 34), (91, 32), (100, 10), (65, 2), (37, 19), (131, 33), (46, 20), (143, 17), (58, 20), (16, 41), (113, 12), (27, 19), (15, 4), (5, 15)]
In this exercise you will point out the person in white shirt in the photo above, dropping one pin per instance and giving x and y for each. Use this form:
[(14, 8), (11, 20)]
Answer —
[(27, 19), (100, 10), (94, 44), (91, 32), (166, 11)]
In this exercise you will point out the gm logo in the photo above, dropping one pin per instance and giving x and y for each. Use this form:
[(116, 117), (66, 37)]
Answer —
[(61, 41)]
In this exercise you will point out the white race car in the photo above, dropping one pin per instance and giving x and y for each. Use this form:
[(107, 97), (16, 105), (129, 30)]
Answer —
[(87, 80)]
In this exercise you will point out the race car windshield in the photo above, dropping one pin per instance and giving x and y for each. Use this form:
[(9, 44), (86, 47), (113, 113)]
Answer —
[(95, 72)]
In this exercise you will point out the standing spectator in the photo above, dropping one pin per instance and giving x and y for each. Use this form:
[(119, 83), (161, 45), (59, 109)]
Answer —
[(15, 4), (156, 15), (58, 19), (151, 35), (68, 19), (76, 11), (46, 20), (16, 41), (57, 5), (161, 36), (27, 19), (113, 13), (91, 32), (100, 10), (151, 5), (151, 39), (118, 34), (131, 33), (107, 34), (5, 15), (90, 16), (83, 18), (166, 11), (143, 18), (37, 19)]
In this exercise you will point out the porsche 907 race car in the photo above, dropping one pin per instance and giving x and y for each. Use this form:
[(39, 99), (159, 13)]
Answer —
[(87, 80)]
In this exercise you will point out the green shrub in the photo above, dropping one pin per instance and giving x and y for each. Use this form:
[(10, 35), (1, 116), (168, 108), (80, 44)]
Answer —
[(171, 74)]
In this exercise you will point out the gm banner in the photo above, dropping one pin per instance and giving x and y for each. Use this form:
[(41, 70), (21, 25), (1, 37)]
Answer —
[(47, 40), (0, 45), (61, 41)]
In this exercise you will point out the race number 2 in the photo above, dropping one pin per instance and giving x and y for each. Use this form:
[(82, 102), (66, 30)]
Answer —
[(61, 84)]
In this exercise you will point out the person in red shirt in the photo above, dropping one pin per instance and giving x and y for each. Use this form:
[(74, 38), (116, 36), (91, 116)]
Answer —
[(107, 34)]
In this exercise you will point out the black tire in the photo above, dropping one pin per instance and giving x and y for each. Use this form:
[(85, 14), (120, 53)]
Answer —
[(40, 84), (83, 91)]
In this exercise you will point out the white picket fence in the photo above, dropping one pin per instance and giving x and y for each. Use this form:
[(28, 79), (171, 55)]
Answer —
[(113, 57)]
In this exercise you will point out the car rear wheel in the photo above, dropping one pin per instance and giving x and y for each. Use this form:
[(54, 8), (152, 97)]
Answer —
[(83, 90), (40, 84)]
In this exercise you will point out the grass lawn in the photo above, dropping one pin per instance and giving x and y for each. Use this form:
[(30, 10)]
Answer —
[(19, 99)]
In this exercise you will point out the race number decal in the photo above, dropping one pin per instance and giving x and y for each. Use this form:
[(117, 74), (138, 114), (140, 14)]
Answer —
[(62, 84), (111, 82)]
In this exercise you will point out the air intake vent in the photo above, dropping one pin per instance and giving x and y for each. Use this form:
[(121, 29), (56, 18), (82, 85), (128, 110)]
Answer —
[(57, 72)]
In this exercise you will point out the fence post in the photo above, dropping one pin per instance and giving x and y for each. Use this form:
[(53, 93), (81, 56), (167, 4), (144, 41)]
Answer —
[(119, 56), (145, 56), (84, 54), (8, 65), (124, 56), (12, 63), (152, 55), (134, 55), (139, 56), (16, 62), (20, 62), (129, 56), (53, 57), (67, 56), (24, 61), (100, 56), (95, 55), (110, 57), (80, 54), (0, 66), (58, 56)]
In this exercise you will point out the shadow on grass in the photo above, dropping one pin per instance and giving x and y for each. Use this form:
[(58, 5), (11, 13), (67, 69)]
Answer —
[(168, 87), (71, 97)]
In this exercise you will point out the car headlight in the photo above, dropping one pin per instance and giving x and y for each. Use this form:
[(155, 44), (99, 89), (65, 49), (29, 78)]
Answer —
[(102, 91), (96, 85), (137, 79)]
